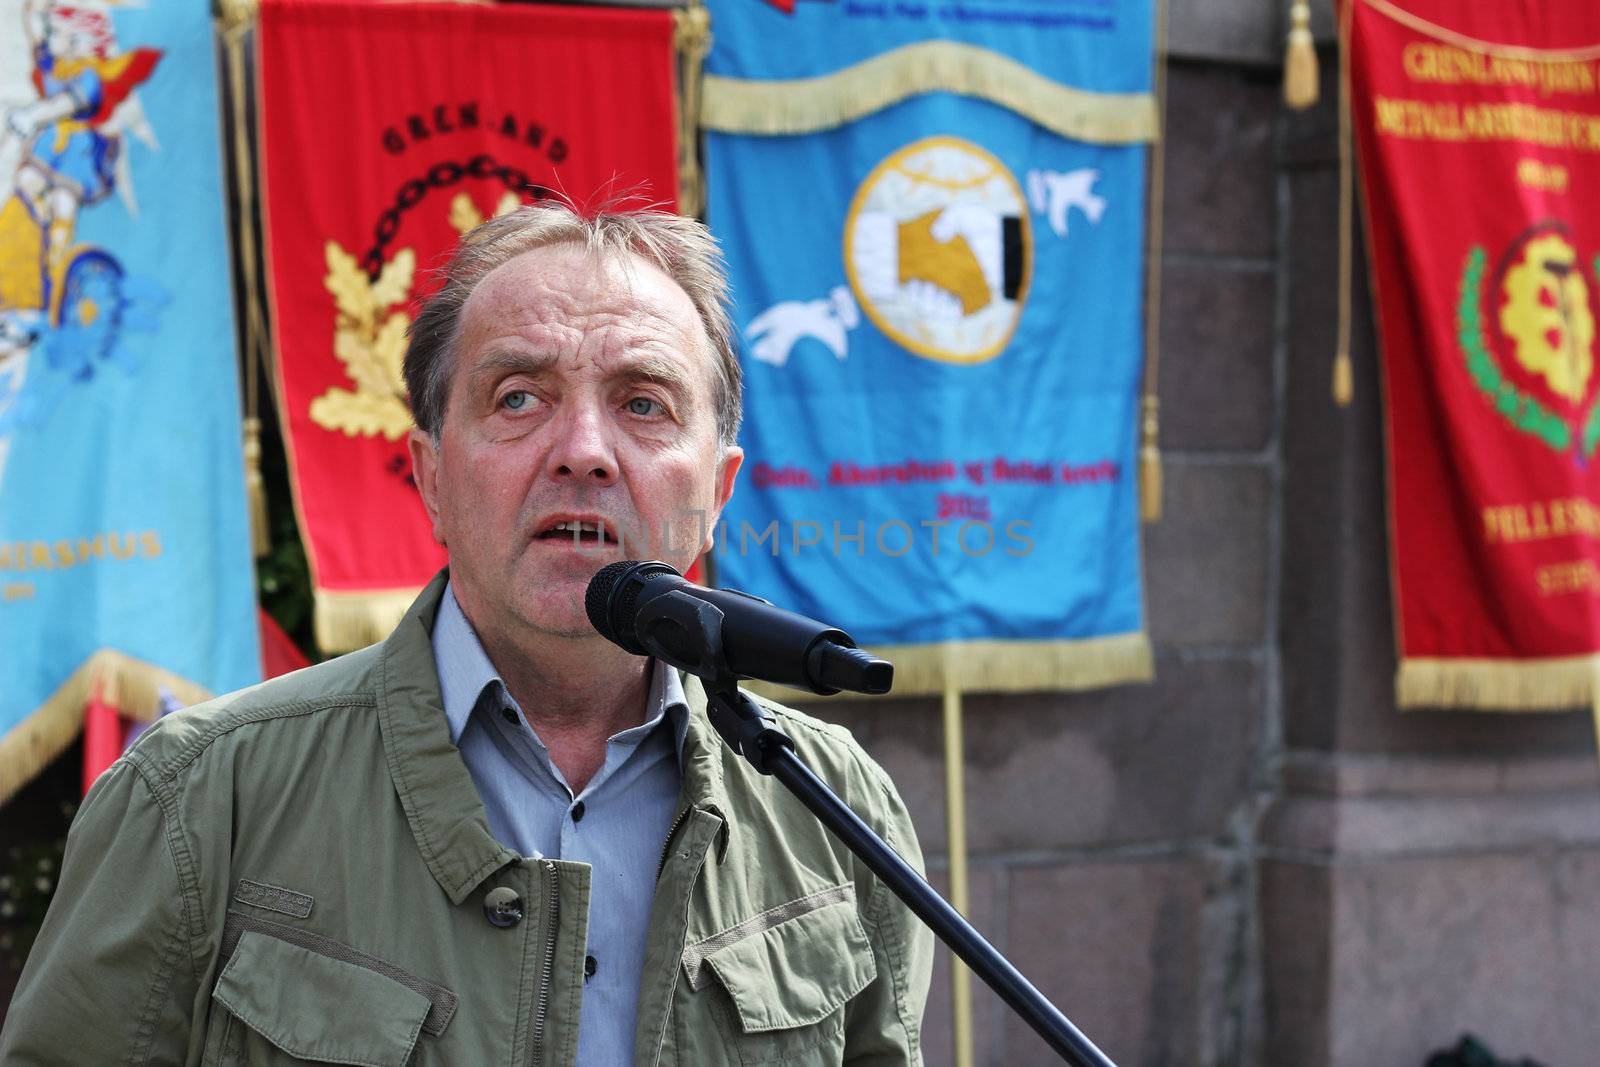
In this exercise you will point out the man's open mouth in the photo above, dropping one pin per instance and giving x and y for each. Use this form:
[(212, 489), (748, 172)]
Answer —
[(590, 533)]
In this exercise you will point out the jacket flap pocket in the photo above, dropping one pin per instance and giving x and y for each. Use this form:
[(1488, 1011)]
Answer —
[(318, 1008), (799, 971)]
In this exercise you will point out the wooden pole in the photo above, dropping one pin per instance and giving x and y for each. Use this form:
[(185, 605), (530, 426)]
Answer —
[(955, 791)]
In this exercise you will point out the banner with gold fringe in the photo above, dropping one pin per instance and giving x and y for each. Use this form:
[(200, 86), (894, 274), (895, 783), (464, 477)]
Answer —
[(1479, 136), (388, 130), (934, 216), (124, 547)]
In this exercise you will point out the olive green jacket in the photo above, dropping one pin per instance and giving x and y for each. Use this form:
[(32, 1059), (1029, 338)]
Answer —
[(297, 873)]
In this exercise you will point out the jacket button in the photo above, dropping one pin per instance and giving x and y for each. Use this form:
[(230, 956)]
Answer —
[(588, 966), (577, 812), (502, 906)]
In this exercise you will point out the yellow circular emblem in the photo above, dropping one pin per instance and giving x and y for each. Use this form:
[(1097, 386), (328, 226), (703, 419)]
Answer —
[(938, 250), (1546, 316)]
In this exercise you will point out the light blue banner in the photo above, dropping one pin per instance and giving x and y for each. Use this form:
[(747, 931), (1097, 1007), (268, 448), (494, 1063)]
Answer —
[(122, 508), (940, 313)]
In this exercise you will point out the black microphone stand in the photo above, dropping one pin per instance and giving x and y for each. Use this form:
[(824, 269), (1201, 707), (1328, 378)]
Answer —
[(752, 733)]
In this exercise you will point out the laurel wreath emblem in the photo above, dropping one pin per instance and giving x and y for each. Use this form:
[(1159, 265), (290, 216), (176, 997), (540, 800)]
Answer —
[(1523, 412)]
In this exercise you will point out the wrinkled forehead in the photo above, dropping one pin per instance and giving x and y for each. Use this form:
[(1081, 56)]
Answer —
[(569, 290)]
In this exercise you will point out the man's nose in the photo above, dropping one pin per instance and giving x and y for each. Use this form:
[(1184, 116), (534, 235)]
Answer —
[(582, 449)]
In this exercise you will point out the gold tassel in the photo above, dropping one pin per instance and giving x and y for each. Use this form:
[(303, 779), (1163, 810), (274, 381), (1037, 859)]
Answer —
[(691, 37), (1150, 464), (1343, 379), (1150, 424), (1300, 60), (255, 489)]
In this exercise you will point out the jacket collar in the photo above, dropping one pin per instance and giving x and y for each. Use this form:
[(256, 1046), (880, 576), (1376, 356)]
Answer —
[(436, 791), (703, 753), (705, 757)]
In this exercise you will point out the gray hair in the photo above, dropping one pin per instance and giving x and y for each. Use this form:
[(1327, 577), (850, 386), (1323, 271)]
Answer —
[(680, 246)]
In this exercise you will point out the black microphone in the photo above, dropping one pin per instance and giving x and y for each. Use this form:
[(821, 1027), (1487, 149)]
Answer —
[(651, 609)]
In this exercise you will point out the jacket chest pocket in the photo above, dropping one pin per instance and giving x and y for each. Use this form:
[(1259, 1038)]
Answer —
[(281, 1002), (777, 984)]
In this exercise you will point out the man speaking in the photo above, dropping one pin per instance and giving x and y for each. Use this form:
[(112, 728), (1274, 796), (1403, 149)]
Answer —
[(497, 838)]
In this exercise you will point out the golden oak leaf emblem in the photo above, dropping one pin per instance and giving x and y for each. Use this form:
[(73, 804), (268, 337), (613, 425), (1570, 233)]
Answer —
[(464, 214), (369, 338)]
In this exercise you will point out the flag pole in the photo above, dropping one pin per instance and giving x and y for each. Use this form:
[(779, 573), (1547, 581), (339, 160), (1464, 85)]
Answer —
[(955, 792)]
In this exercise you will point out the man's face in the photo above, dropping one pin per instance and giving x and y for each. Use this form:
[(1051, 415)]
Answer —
[(583, 392)]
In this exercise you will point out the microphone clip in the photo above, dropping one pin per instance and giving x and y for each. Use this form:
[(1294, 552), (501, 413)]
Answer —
[(686, 632), (746, 726)]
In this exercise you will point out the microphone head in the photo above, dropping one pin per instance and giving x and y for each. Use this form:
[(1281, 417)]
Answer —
[(609, 601)]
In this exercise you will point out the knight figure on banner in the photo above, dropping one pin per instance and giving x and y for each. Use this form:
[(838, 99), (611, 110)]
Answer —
[(65, 305)]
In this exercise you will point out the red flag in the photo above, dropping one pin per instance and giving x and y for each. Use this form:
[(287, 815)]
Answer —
[(388, 130), (1479, 134), (279, 654), (102, 737)]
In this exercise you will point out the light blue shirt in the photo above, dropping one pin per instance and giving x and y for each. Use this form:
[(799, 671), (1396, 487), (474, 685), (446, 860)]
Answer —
[(618, 824)]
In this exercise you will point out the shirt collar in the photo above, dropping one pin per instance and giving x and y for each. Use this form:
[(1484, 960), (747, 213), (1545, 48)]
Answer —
[(465, 671)]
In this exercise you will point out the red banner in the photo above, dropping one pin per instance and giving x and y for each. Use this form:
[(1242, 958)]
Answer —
[(388, 130), (1478, 131)]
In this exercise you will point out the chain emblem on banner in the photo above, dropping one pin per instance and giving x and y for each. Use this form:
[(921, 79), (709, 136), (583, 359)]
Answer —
[(373, 296)]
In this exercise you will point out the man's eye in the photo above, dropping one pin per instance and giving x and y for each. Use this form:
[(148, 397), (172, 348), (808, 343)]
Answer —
[(517, 399), (643, 405)]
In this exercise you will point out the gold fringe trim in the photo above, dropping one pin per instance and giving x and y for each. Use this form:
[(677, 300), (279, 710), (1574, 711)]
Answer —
[(805, 105), (132, 685), (1555, 683), (1001, 667), (344, 622)]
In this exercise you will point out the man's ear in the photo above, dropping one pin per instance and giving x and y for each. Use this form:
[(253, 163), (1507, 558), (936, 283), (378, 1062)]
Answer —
[(732, 460), (425, 470)]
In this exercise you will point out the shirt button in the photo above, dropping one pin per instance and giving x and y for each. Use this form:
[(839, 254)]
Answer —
[(577, 812), (510, 716), (502, 907), (589, 966)]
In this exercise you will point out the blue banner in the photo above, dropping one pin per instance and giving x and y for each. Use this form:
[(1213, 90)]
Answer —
[(939, 303), (124, 549)]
